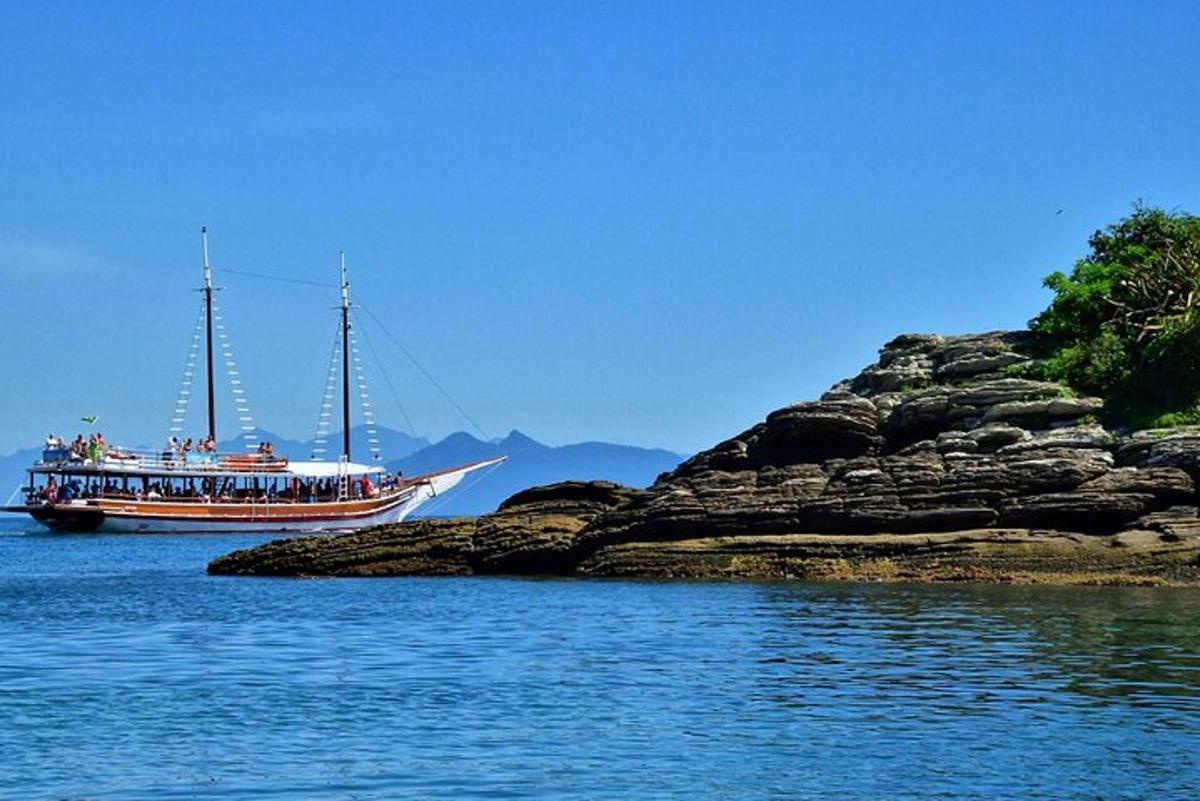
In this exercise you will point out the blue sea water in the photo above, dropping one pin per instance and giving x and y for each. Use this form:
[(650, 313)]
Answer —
[(127, 673)]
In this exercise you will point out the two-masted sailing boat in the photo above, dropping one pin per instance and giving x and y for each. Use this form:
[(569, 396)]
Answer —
[(82, 487)]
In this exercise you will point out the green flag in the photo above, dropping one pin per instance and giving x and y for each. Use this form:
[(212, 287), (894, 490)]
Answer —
[(90, 419)]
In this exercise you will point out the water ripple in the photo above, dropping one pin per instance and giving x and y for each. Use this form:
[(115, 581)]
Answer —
[(126, 673)]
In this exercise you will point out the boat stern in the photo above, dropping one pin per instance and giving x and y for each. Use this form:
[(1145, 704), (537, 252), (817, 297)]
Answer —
[(67, 518)]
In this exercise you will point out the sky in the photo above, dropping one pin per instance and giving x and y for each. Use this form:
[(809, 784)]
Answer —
[(645, 223)]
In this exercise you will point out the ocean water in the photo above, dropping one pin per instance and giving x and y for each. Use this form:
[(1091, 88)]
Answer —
[(127, 673)]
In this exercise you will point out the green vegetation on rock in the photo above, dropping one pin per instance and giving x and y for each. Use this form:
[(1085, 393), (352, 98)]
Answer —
[(1125, 324)]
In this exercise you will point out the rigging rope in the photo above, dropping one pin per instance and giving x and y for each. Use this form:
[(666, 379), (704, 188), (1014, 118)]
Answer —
[(189, 370), (321, 439), (386, 378), (283, 278), (408, 354), (245, 418), (364, 399), (424, 372)]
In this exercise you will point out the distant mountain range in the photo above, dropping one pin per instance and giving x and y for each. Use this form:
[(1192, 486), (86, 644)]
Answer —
[(12, 471), (530, 463)]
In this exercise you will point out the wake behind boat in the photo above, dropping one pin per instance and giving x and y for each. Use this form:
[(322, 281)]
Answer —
[(91, 487)]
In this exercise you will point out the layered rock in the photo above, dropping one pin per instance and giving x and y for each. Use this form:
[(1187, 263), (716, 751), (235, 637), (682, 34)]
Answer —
[(533, 532), (942, 452)]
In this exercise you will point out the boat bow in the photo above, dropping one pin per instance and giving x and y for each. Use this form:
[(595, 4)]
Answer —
[(444, 480)]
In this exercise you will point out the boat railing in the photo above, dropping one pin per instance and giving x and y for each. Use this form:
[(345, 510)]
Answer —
[(136, 459), (93, 497)]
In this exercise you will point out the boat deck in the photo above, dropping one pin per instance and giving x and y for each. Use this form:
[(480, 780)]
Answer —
[(129, 462)]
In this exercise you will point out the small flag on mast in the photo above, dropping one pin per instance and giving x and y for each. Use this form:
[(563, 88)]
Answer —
[(90, 419)]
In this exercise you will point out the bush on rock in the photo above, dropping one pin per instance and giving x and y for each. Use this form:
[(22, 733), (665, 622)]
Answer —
[(1125, 324)]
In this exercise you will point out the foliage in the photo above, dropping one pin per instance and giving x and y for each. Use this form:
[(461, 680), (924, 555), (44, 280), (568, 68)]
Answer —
[(1184, 417), (1032, 369), (1125, 324), (912, 386)]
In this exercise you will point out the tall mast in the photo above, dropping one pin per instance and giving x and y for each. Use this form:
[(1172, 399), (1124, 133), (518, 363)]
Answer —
[(208, 330), (345, 362)]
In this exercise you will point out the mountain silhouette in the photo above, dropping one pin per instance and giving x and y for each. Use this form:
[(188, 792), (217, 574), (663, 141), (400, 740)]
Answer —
[(530, 463)]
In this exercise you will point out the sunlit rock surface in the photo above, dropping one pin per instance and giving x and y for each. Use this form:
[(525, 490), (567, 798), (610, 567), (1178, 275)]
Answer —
[(938, 462)]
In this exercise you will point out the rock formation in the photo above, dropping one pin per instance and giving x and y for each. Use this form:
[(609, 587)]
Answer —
[(939, 461)]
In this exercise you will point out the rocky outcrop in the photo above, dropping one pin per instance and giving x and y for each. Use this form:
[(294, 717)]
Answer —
[(536, 531), (533, 532), (943, 453)]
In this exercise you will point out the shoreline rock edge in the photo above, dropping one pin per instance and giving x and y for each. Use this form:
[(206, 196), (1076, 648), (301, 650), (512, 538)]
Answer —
[(941, 461)]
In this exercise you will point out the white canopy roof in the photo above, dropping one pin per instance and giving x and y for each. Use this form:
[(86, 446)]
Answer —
[(329, 469), (153, 464)]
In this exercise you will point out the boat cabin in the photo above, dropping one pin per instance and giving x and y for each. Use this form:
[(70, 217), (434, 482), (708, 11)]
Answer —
[(120, 474)]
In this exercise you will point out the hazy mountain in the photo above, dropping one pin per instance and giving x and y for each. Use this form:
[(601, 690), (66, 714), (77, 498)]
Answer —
[(12, 471), (530, 463)]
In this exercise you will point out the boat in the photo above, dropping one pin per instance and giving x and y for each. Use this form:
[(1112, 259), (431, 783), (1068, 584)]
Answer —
[(91, 487)]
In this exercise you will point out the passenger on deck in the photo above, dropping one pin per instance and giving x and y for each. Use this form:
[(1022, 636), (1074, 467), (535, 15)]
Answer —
[(78, 449), (51, 491)]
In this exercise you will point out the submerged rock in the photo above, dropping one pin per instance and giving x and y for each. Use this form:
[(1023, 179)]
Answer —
[(419, 548), (936, 462)]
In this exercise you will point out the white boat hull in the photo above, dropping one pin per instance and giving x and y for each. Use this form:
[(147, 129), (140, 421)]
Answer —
[(177, 517), (141, 524)]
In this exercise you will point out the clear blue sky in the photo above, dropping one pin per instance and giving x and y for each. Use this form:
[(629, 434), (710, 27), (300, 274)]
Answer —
[(647, 223)]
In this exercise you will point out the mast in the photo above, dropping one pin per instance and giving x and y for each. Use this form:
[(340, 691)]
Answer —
[(345, 362), (208, 331)]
